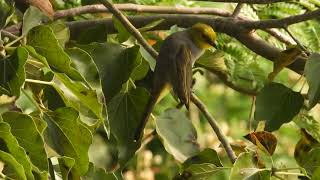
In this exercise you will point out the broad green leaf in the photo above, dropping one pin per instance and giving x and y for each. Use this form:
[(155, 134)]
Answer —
[(178, 134), (32, 17), (95, 173), (14, 165), (148, 58), (206, 156), (61, 32), (10, 145), (7, 10), (141, 69), (311, 72), (83, 95), (85, 66), (12, 70), (125, 112), (26, 102), (69, 137), (245, 168), (308, 123), (203, 171), (151, 25), (92, 34), (122, 34), (276, 104), (44, 41), (65, 165), (115, 65), (28, 136)]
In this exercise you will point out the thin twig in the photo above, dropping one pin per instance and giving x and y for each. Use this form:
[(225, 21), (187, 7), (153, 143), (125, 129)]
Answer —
[(237, 10), (213, 123), (98, 8), (249, 1), (126, 23), (280, 23), (8, 34), (296, 40)]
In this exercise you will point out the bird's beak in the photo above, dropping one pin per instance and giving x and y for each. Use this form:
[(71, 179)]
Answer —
[(213, 44)]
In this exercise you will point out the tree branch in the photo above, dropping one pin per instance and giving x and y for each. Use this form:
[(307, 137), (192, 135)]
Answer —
[(280, 23), (228, 26), (237, 10), (249, 1), (97, 8), (127, 24), (213, 123)]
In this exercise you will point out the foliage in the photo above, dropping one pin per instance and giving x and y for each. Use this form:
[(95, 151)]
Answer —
[(70, 103)]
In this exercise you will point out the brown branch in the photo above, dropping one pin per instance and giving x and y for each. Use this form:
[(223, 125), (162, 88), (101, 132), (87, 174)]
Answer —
[(249, 1), (280, 23), (140, 9), (127, 24), (213, 123), (280, 36), (228, 26), (237, 10)]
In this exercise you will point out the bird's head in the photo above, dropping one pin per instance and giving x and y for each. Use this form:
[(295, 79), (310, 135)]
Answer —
[(203, 35)]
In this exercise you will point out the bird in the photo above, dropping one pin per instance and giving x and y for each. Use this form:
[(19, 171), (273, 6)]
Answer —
[(173, 69)]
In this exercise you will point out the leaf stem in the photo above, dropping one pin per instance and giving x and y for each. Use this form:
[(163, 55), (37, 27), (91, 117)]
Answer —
[(39, 82), (13, 42)]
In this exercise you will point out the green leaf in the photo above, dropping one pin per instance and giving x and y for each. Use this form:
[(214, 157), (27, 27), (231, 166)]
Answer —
[(125, 112), (141, 69), (276, 104), (148, 58), (83, 95), (69, 137), (14, 165), (95, 173), (7, 10), (202, 171), (9, 144), (66, 164), (308, 123), (13, 73), (28, 136), (178, 134), (115, 65), (245, 168), (151, 25), (311, 71), (123, 34), (26, 102), (85, 66), (316, 174), (92, 34), (32, 17), (61, 32), (206, 156), (44, 41)]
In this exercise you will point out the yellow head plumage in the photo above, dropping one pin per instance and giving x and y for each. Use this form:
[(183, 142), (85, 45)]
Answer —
[(203, 35)]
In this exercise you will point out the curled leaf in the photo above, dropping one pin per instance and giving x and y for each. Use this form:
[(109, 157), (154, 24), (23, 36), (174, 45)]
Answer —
[(264, 140)]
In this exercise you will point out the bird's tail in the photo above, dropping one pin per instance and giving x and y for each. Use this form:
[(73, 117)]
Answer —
[(145, 117)]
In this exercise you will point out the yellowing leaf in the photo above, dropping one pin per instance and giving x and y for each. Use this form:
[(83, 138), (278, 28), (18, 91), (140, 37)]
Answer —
[(264, 140)]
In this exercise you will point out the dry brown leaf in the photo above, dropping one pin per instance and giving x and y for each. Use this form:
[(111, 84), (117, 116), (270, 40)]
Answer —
[(44, 5)]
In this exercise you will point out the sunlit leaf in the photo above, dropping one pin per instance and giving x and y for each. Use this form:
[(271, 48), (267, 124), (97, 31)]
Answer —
[(202, 171), (245, 168), (28, 136), (32, 17), (69, 137), (308, 123), (178, 134), (95, 173)]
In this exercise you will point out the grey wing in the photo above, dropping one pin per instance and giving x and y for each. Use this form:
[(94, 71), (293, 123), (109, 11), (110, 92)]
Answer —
[(182, 74)]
